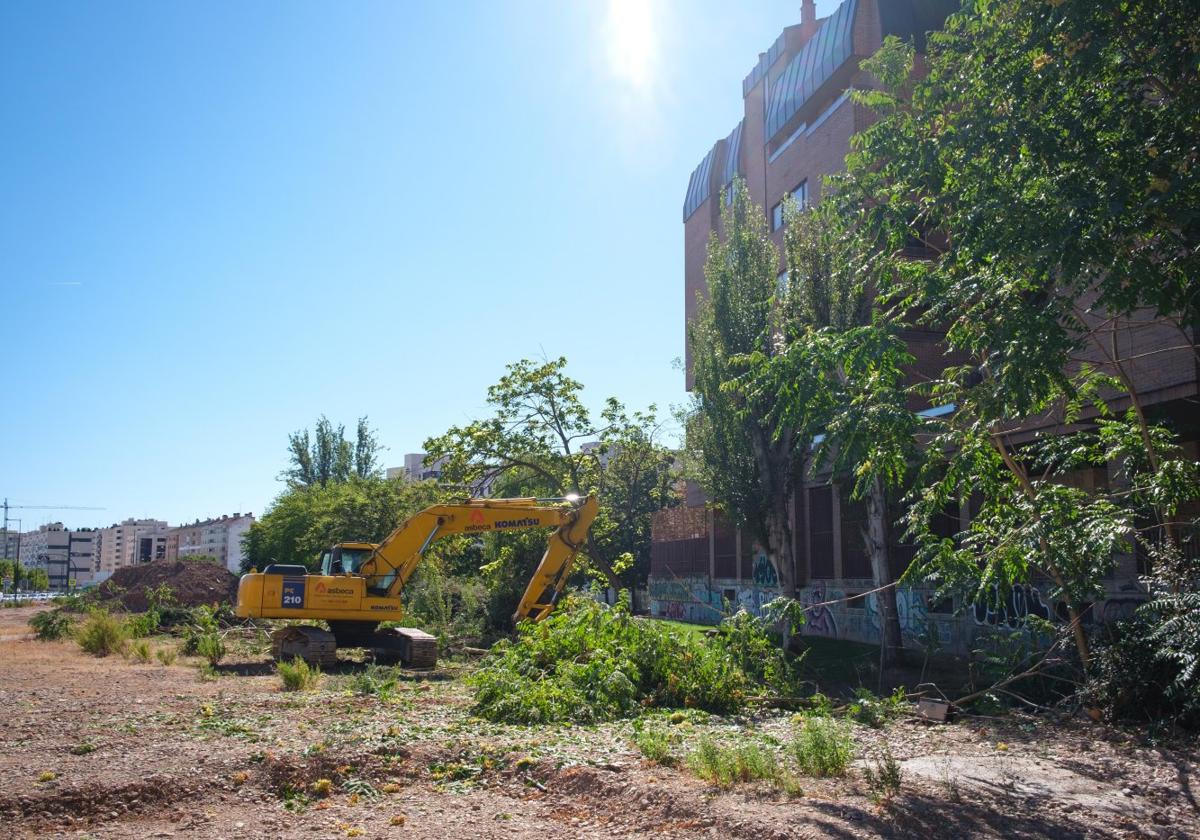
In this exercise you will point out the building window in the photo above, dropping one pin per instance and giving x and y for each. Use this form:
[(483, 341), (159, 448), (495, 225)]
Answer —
[(781, 283), (801, 194)]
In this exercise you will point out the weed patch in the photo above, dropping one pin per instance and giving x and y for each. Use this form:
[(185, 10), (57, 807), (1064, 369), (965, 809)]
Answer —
[(139, 651), (747, 761), (298, 675), (823, 747), (883, 776)]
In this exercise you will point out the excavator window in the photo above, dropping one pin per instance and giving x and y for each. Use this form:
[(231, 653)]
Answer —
[(347, 561)]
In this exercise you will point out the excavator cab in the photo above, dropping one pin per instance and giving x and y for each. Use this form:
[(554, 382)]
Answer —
[(345, 558)]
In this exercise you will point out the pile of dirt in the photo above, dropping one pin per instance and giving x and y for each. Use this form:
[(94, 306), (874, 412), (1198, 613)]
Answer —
[(192, 583)]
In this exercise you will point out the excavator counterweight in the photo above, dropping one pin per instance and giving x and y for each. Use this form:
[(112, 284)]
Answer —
[(360, 584)]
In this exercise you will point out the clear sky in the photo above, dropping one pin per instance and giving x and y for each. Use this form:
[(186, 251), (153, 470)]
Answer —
[(219, 220)]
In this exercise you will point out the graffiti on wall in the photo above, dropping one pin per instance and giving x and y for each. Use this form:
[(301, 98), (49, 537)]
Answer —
[(1011, 610), (912, 609), (764, 571), (693, 600), (820, 619)]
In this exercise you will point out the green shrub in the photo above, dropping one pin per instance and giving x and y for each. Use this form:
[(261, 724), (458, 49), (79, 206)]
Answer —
[(298, 675), (139, 651), (823, 747), (51, 625), (165, 655), (202, 622), (883, 776), (874, 712), (142, 625), (101, 633), (590, 662), (211, 648), (750, 643)]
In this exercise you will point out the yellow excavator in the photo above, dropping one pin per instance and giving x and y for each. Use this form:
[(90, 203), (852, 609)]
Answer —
[(360, 583)]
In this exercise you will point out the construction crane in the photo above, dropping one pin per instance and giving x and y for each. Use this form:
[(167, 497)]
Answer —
[(360, 583)]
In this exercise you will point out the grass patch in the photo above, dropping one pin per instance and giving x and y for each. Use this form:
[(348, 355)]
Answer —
[(298, 675), (166, 655), (139, 651), (375, 681), (823, 747), (101, 633), (747, 761)]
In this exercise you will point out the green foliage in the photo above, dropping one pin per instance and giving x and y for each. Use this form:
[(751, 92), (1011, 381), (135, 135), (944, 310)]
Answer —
[(375, 681), (883, 776), (165, 655), (304, 521), (202, 636), (452, 608), (327, 457), (823, 747), (654, 741), (143, 624), (101, 633), (139, 651), (590, 662), (298, 675), (742, 458), (745, 761), (530, 446), (1148, 668), (51, 625), (747, 641), (875, 712), (211, 647)]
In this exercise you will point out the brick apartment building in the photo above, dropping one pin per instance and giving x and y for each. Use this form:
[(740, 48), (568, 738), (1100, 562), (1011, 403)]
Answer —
[(796, 129)]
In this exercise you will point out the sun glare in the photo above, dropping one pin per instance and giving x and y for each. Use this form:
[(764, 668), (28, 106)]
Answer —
[(631, 43)]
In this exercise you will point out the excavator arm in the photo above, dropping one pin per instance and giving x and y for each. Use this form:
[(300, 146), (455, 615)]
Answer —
[(393, 561)]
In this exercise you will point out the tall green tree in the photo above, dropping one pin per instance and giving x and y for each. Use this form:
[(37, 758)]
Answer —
[(328, 456), (854, 362), (542, 440), (745, 461), (1046, 165)]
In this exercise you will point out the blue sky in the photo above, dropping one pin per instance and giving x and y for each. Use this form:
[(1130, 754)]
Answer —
[(220, 220)]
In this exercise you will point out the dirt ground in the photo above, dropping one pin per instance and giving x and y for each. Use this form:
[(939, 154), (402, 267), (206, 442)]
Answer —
[(108, 748)]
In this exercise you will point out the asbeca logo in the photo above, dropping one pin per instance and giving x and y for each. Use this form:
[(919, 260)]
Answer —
[(477, 522), (320, 588)]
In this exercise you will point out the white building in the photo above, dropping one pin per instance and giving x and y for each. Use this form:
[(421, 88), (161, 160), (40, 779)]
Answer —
[(220, 538), (119, 544), (415, 468)]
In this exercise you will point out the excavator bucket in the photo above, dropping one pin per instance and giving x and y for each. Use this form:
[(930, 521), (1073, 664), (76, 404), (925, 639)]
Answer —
[(551, 576)]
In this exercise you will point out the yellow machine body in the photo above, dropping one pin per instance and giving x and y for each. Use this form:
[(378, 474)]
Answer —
[(365, 588)]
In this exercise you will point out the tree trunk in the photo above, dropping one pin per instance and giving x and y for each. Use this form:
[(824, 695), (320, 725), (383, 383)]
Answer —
[(774, 462), (890, 641)]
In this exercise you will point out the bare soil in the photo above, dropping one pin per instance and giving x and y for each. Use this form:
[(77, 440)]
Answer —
[(107, 748)]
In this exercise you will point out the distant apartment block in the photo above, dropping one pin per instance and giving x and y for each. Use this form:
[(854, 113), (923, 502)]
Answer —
[(120, 545), (220, 538), (416, 469), (69, 557)]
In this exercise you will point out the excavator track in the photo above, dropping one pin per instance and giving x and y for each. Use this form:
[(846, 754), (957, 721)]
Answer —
[(410, 647), (312, 644)]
